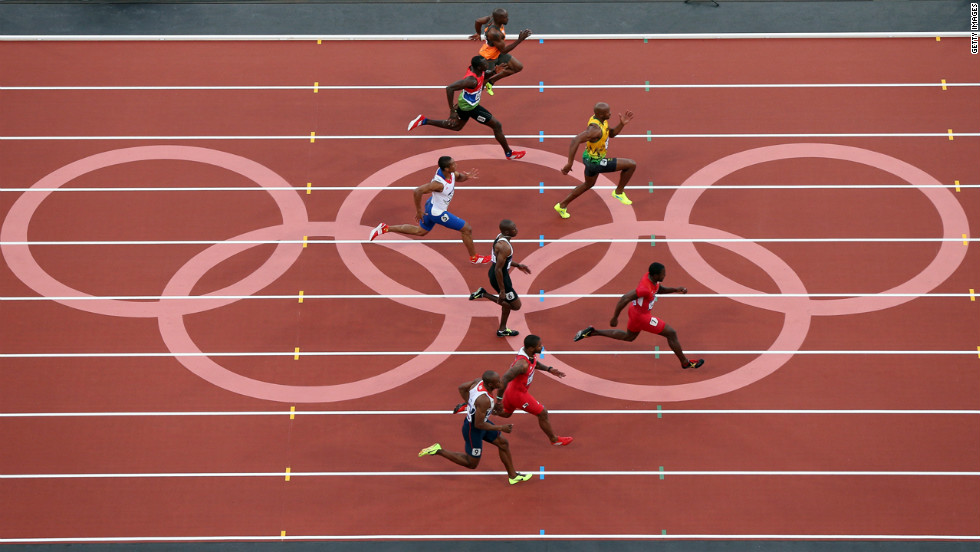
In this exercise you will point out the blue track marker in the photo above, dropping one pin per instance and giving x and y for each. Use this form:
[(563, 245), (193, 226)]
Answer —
[(540, 41), (656, 351), (540, 187), (542, 531), (540, 86), (542, 472), (540, 136), (542, 356), (541, 240), (541, 295)]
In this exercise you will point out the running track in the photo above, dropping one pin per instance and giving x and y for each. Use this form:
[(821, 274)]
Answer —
[(870, 430)]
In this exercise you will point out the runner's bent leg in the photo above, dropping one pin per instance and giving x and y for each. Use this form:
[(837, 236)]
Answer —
[(579, 190), (628, 166), (675, 345), (504, 449)]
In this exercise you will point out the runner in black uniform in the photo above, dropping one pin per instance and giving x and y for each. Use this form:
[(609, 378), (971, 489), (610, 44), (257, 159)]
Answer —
[(501, 261)]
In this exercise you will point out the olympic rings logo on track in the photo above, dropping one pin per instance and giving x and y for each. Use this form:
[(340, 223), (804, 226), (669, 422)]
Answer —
[(797, 311)]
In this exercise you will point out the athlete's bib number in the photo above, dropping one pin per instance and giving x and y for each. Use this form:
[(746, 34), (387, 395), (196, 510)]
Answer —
[(476, 452), (654, 321), (603, 163), (530, 377)]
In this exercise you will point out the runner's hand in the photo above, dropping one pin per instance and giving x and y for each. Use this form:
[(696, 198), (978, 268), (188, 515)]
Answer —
[(566, 169), (418, 215), (474, 174), (475, 36), (682, 290), (523, 268), (507, 428), (627, 118), (558, 373), (613, 322), (524, 34)]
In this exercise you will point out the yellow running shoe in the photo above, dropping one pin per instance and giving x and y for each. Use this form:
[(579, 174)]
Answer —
[(622, 198), (561, 212), (520, 477), (430, 450), (489, 88)]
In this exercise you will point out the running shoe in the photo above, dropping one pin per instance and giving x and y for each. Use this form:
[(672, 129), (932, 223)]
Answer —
[(563, 213), (563, 441), (489, 88), (416, 122), (694, 364), (461, 407), (430, 450), (582, 334), (480, 292), (520, 477), (514, 155), (480, 259), (622, 198), (378, 230), (507, 333)]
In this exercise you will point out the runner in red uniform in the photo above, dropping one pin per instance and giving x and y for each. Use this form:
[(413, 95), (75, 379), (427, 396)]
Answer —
[(641, 317), (515, 385)]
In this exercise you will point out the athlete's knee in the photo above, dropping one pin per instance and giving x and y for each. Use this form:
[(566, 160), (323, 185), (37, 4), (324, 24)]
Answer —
[(472, 462), (466, 230), (630, 336), (515, 65), (626, 164), (515, 304), (669, 333), (543, 415)]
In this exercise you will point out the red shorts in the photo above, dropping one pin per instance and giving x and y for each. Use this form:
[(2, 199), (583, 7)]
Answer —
[(514, 400), (644, 321)]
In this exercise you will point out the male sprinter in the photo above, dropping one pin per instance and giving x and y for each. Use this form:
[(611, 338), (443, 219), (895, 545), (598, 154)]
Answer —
[(468, 106), (641, 318), (477, 428), (436, 210), (596, 137), (495, 51), (515, 385), (501, 260)]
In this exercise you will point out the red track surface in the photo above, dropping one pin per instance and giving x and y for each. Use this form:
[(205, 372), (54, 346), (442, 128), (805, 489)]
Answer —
[(388, 505)]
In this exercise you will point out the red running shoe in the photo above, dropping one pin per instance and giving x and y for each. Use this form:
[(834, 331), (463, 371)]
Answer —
[(378, 230), (416, 122), (480, 259), (461, 407), (514, 155), (563, 441)]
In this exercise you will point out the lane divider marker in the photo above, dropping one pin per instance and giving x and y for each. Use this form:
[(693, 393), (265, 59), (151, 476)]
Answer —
[(949, 132), (943, 81), (309, 188), (978, 351), (292, 412), (656, 351), (647, 88), (542, 532), (300, 296), (541, 295), (650, 137), (972, 298), (653, 240), (282, 534), (938, 38), (663, 532), (542, 352), (318, 42), (304, 241), (540, 136), (661, 473), (541, 240), (540, 41), (650, 187), (540, 86), (312, 137), (296, 354), (316, 87), (645, 41), (541, 472), (541, 187), (957, 184), (287, 473), (965, 240), (660, 413)]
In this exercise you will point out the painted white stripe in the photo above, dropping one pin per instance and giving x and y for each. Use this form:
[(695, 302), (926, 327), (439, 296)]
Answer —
[(535, 241), (414, 37), (515, 136), (446, 411), (468, 187), (533, 87), (636, 473), (169, 298), (493, 537), (468, 353)]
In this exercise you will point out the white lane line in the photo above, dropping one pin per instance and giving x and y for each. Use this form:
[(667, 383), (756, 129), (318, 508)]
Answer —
[(468, 353), (515, 136), (658, 187), (630, 473), (423, 37), (493, 537), (446, 411), (174, 298), (535, 241), (534, 87)]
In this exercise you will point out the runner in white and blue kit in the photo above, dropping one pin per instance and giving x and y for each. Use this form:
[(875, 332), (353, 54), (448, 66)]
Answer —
[(436, 209)]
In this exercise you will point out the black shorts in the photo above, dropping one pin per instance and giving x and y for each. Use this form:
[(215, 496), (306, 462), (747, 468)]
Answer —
[(478, 113), (603, 166), (502, 59), (509, 294)]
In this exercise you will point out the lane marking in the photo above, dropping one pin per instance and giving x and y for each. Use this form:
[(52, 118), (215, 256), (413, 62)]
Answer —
[(646, 86), (292, 412), (944, 83), (306, 241), (950, 134), (442, 137), (300, 296), (956, 183), (309, 188), (445, 296), (659, 412), (316, 87), (539, 187), (313, 137), (296, 354), (972, 298), (288, 470)]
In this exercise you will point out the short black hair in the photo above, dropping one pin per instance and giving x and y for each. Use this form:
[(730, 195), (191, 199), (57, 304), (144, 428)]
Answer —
[(476, 60), (444, 162), (655, 268), (506, 223), (488, 375), (531, 340)]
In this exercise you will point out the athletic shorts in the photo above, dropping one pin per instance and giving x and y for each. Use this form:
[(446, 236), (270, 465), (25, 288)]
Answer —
[(509, 294), (500, 60), (604, 165), (478, 113), (474, 438), (644, 321), (447, 219), (514, 400)]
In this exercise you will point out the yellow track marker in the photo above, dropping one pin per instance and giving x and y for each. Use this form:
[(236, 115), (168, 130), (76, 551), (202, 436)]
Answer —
[(300, 296), (296, 354), (282, 534), (304, 241), (319, 41), (316, 87), (313, 137), (287, 474), (957, 183), (944, 83), (938, 38), (965, 241), (972, 297), (292, 412), (309, 188), (950, 132), (978, 351)]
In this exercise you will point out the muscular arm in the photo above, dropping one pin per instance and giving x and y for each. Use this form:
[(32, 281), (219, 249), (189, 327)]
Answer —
[(623, 301), (519, 367), (464, 389), (478, 26), (588, 135), (664, 290), (468, 82), (480, 417), (550, 370), (622, 122), (498, 269), (433, 186), (496, 39)]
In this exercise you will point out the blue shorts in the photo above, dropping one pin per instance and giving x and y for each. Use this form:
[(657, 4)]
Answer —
[(446, 219), (474, 438)]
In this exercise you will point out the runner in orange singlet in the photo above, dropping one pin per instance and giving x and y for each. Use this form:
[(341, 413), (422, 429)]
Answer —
[(495, 50)]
